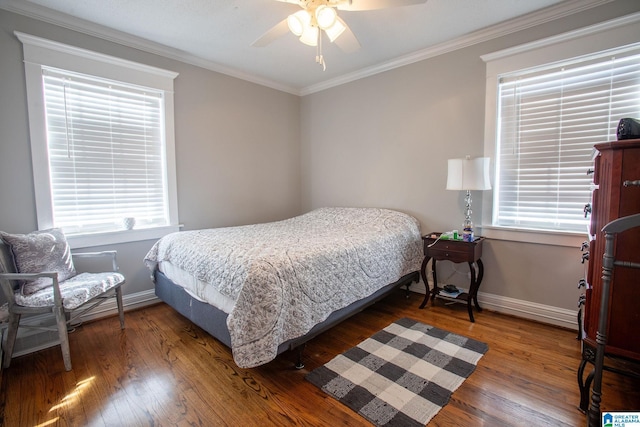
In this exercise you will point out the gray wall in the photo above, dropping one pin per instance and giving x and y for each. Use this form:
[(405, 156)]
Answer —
[(389, 137), (237, 144), (246, 153)]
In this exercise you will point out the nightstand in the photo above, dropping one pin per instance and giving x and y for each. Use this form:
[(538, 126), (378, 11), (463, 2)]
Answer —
[(455, 251)]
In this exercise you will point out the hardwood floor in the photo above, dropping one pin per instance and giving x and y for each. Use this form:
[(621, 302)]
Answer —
[(163, 371)]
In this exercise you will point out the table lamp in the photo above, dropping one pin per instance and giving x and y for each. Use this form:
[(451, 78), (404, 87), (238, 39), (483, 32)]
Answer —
[(468, 174)]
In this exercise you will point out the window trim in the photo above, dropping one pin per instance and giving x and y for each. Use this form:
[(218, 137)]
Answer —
[(585, 41), (40, 52)]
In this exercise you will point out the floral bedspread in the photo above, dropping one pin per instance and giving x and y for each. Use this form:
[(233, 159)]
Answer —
[(287, 276)]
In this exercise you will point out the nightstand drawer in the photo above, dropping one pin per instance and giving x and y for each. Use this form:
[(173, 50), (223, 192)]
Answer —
[(448, 247), (457, 251), (445, 254)]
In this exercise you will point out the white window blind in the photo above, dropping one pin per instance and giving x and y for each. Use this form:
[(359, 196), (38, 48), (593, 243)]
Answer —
[(548, 122), (106, 153)]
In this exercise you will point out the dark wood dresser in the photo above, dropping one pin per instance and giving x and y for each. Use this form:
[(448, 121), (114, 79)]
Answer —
[(616, 194)]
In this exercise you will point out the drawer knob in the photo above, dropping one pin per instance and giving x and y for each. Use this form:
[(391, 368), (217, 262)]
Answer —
[(585, 257), (581, 300)]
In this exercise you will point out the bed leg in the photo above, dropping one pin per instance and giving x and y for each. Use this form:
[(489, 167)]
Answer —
[(415, 277), (299, 363)]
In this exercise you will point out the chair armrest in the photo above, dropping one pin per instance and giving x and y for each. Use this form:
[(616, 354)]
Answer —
[(94, 254), (8, 290), (28, 276), (111, 254)]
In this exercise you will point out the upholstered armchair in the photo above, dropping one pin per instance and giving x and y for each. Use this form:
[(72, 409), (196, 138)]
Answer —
[(37, 275)]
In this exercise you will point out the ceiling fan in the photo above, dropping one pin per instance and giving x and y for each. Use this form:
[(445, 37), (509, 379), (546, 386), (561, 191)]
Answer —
[(318, 16)]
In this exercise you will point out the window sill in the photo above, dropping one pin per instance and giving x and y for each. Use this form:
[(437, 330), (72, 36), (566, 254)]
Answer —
[(554, 238), (115, 237)]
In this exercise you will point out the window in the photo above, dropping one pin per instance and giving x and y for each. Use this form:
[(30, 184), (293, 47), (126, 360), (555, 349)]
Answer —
[(102, 144), (548, 103), (548, 122), (105, 153)]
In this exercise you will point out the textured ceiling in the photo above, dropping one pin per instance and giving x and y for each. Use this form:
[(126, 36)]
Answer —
[(217, 34)]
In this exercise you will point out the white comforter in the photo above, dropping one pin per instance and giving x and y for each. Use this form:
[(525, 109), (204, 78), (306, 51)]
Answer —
[(287, 276)]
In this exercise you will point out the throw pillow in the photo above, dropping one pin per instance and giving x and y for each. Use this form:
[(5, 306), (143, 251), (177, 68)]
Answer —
[(38, 252)]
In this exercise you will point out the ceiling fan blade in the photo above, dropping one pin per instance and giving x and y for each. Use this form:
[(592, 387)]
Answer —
[(277, 31), (356, 5), (347, 41)]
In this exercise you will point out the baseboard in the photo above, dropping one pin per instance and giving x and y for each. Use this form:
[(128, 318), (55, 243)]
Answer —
[(130, 302), (530, 310), (520, 308), (31, 340)]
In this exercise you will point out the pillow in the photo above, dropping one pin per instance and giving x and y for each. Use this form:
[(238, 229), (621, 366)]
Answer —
[(38, 252)]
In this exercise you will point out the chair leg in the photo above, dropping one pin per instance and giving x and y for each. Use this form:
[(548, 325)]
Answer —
[(12, 332), (64, 337), (120, 306)]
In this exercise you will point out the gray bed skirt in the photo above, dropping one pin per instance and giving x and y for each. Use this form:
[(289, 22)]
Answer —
[(214, 321)]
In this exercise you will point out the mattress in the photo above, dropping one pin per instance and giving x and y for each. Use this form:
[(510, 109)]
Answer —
[(278, 280), (196, 288)]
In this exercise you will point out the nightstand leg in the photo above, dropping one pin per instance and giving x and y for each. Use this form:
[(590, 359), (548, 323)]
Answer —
[(478, 281), (423, 273), (472, 291), (435, 280)]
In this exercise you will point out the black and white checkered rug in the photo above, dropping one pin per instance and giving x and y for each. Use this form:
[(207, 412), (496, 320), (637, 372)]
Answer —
[(402, 375)]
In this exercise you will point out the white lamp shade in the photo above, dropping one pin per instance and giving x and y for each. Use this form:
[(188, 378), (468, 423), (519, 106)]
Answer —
[(468, 174)]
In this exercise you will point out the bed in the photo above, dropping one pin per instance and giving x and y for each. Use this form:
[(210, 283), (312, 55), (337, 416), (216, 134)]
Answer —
[(263, 289)]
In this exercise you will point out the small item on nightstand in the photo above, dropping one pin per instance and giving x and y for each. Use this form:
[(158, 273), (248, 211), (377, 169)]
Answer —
[(450, 288), (448, 235), (467, 230)]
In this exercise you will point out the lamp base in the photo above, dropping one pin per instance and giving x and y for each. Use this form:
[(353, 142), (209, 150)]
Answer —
[(467, 225)]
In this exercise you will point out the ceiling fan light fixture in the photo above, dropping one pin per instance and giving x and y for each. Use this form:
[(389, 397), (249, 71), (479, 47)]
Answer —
[(334, 31), (298, 22), (322, 15), (325, 16), (310, 36)]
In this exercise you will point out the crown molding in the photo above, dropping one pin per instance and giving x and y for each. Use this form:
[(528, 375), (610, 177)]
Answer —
[(633, 18), (505, 28), (530, 20), (105, 33)]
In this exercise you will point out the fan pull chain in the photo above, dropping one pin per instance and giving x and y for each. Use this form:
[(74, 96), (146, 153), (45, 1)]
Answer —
[(319, 57)]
